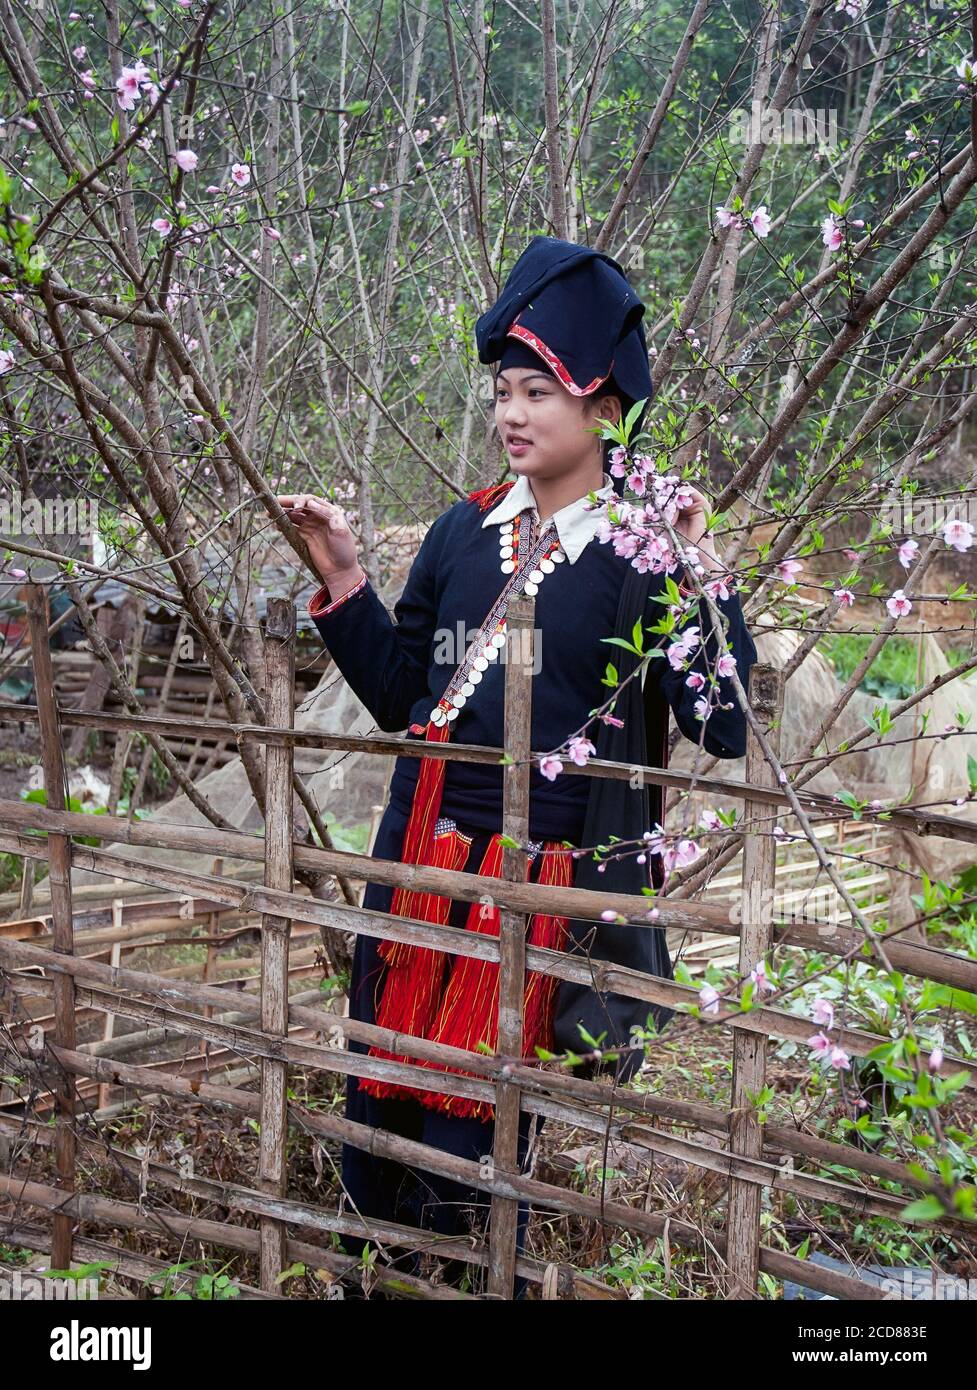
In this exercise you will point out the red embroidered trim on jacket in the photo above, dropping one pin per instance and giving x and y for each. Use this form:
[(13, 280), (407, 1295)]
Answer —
[(526, 335), (318, 605)]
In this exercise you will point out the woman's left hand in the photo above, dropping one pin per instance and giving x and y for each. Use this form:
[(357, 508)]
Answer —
[(691, 522), (691, 525)]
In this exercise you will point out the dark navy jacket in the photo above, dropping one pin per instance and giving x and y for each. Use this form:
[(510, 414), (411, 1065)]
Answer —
[(394, 667)]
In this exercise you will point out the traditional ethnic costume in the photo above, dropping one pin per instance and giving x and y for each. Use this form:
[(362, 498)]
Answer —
[(571, 309)]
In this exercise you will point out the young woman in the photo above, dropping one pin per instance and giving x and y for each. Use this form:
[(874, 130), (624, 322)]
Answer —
[(567, 336)]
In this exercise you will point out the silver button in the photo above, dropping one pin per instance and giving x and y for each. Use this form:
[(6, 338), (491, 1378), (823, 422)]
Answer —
[(547, 566), (475, 675), (536, 576), (531, 589), (480, 664), (507, 566)]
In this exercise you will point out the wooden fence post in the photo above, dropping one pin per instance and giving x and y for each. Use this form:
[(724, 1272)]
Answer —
[(519, 650), (279, 652), (756, 936), (59, 873)]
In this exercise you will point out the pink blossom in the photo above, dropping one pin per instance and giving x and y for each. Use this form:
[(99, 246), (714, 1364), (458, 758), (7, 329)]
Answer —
[(613, 719), (966, 70), (851, 555), (579, 750), (79, 52), (186, 160), (839, 1059), (682, 852), (959, 534), (19, 574), (831, 233), (708, 1000), (788, 568), (725, 218), (726, 664), (609, 915), (718, 588), (761, 979), (241, 175), (709, 819), (162, 225), (414, 359), (820, 1045), (760, 221), (898, 605), (908, 552), (7, 362), (679, 651), (696, 680), (935, 1059), (272, 233), (823, 1013), (702, 708), (550, 767), (845, 597), (129, 82)]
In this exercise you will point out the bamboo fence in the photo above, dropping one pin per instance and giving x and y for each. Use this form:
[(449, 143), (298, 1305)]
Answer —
[(43, 969)]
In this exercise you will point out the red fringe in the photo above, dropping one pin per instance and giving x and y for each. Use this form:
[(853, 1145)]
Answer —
[(463, 1011), (488, 496), (468, 1011)]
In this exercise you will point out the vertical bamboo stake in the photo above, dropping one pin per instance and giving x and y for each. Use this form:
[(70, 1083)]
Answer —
[(27, 888), (213, 929), (59, 870), (279, 654), (749, 1049), (108, 1030), (512, 936)]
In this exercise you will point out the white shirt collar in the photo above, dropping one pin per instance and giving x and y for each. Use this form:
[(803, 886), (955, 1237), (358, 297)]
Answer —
[(575, 526)]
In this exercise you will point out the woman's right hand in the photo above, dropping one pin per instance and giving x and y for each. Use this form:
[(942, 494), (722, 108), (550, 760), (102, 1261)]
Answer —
[(325, 530)]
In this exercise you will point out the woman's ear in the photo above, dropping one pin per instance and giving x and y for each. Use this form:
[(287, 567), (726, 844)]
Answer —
[(609, 408)]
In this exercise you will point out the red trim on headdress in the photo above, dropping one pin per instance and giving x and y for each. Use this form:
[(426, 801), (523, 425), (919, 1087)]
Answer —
[(526, 335)]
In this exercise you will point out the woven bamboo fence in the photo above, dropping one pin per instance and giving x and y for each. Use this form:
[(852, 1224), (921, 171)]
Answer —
[(48, 983)]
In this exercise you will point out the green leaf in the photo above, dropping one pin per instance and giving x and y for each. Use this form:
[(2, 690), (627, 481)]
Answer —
[(925, 1209)]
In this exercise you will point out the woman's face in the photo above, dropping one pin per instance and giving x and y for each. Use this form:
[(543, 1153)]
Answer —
[(534, 407)]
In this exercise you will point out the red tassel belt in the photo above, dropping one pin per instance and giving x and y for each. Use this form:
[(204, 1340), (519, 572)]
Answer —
[(454, 1000)]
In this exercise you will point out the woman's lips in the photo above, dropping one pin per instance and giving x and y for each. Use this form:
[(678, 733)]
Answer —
[(519, 446)]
